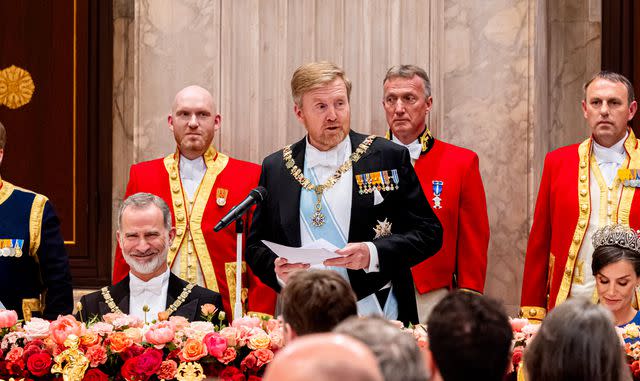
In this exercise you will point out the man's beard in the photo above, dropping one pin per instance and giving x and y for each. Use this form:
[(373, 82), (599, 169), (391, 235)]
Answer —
[(147, 267)]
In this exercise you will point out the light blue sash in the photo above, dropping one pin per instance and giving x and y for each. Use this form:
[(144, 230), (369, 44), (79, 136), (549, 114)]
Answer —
[(332, 233)]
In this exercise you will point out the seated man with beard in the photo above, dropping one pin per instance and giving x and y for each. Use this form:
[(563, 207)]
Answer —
[(145, 235)]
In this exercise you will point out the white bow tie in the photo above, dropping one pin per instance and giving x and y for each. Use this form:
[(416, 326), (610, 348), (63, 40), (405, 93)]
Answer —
[(324, 159), (153, 286)]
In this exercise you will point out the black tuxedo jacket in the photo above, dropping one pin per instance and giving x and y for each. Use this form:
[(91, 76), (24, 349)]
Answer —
[(416, 231), (93, 304)]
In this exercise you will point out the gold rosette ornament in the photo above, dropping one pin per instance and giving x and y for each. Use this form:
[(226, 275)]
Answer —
[(16, 87)]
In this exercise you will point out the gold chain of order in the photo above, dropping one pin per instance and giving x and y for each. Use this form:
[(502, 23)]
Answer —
[(172, 308), (318, 218), (298, 174)]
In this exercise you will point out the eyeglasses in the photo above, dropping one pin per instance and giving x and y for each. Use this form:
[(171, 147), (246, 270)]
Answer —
[(392, 100)]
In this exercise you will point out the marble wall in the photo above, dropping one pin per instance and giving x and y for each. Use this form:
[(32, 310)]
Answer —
[(506, 80)]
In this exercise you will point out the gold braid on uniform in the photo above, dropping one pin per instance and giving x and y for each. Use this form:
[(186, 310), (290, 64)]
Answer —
[(172, 308)]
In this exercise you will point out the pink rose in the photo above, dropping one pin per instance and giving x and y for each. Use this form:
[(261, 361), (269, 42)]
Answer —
[(273, 325), (180, 322), (63, 327), (8, 318), (101, 328), (208, 309), (247, 321), (277, 339), (160, 334), (168, 370), (198, 330), (97, 355), (36, 328), (216, 344), (135, 334), (231, 334), (228, 355), (14, 354), (518, 324)]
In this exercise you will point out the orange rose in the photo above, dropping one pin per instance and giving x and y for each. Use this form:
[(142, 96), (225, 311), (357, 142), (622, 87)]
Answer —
[(264, 356), (193, 350), (119, 341), (89, 339)]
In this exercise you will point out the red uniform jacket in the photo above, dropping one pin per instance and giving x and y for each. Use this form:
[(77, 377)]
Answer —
[(463, 215), (216, 252), (560, 222)]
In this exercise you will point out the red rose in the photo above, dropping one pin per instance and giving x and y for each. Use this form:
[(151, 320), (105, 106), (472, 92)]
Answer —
[(149, 362), (517, 356), (132, 351), (254, 378), (39, 364), (130, 372), (231, 373), (249, 363), (95, 374)]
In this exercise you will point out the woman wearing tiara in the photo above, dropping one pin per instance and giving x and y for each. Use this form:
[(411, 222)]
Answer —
[(616, 267)]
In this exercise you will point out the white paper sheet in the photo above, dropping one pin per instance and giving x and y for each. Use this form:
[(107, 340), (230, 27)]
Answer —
[(314, 253)]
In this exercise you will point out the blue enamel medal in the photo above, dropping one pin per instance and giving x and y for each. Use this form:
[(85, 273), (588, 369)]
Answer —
[(437, 191)]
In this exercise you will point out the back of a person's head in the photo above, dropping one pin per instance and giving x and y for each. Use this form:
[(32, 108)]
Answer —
[(577, 341), (469, 337), (324, 357), (397, 352), (316, 301)]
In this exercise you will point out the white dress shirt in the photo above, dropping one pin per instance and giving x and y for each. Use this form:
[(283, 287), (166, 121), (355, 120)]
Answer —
[(610, 159), (415, 148), (191, 174), (152, 293), (325, 164)]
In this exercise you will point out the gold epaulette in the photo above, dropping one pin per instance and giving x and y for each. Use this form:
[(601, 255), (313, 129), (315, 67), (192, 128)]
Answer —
[(533, 313)]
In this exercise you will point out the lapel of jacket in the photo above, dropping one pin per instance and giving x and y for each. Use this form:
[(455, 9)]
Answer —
[(188, 309), (120, 295), (360, 202), (290, 207)]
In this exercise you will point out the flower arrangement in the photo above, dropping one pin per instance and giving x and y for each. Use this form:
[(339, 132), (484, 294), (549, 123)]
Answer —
[(523, 333), (630, 335), (122, 347)]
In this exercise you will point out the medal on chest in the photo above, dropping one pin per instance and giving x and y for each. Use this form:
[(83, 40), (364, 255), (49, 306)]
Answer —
[(436, 186)]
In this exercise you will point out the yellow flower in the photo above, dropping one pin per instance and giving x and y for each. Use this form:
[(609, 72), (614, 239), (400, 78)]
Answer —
[(259, 341), (16, 87), (632, 331)]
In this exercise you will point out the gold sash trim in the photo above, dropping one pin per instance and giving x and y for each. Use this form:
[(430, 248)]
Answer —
[(584, 202), (35, 224), (5, 191), (230, 270), (192, 222)]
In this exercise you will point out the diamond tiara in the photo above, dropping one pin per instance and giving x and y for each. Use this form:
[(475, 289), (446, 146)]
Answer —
[(617, 235)]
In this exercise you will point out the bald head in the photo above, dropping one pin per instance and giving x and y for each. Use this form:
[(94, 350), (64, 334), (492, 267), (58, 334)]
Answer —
[(193, 121), (324, 357)]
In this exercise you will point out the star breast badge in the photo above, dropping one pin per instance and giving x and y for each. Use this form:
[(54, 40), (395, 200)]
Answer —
[(383, 229)]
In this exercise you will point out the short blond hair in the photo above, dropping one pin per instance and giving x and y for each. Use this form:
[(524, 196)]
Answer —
[(316, 74), (3, 136)]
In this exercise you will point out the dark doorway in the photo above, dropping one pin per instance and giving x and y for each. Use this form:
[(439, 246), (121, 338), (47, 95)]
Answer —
[(620, 39), (59, 143)]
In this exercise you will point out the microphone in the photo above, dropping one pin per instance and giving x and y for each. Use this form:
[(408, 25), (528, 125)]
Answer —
[(256, 195)]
